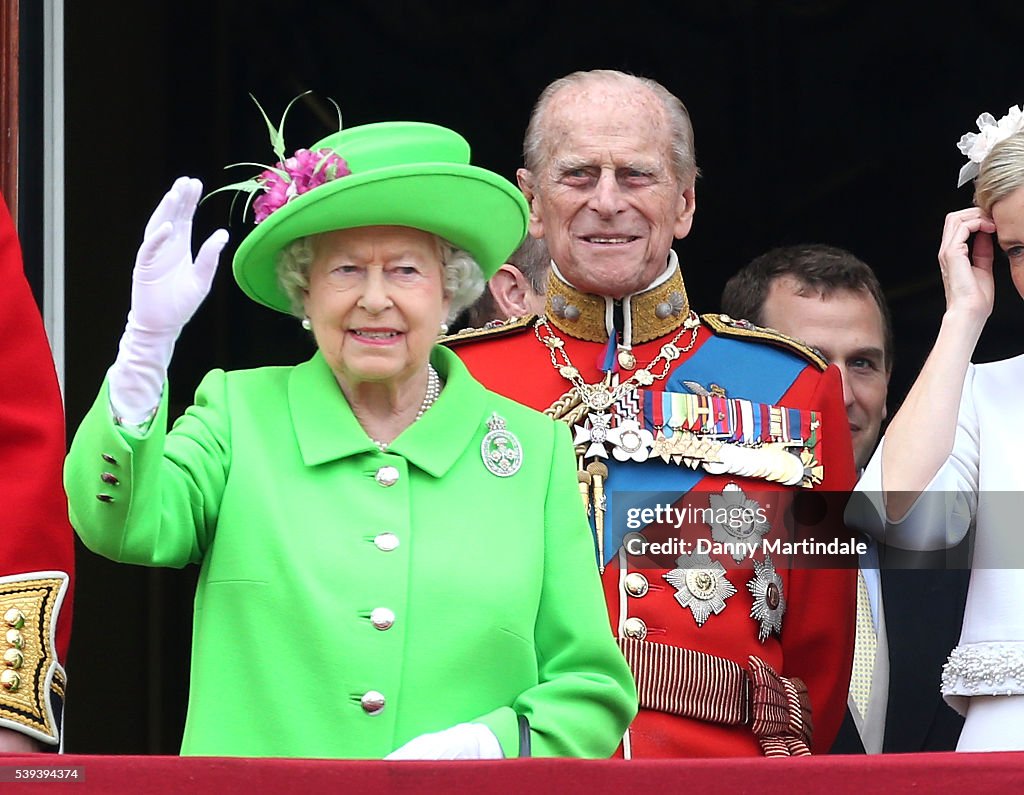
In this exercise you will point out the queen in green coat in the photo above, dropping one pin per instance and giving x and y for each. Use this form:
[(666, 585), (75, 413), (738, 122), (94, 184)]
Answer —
[(393, 560)]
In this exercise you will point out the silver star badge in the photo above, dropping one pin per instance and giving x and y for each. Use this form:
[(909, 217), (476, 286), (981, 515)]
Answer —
[(700, 585), (769, 603), (737, 521)]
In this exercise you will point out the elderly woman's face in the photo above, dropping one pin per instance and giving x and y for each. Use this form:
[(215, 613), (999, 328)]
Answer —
[(376, 300)]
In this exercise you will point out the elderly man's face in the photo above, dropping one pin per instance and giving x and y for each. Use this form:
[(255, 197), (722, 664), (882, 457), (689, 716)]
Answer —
[(606, 200)]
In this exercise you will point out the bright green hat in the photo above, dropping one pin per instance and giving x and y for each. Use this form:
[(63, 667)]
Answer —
[(402, 174)]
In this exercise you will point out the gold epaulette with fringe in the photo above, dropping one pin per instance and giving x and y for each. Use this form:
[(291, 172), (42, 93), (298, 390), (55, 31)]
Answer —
[(728, 326), (496, 328), (32, 679)]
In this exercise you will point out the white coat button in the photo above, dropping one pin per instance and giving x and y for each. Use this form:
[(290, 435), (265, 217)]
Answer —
[(387, 476), (372, 702), (634, 544), (636, 584), (634, 628), (382, 618), (386, 542)]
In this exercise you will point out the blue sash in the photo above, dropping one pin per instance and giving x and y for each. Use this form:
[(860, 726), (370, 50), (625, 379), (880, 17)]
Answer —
[(750, 370)]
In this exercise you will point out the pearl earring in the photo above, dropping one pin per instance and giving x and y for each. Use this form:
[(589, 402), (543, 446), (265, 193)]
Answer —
[(306, 324), (444, 329)]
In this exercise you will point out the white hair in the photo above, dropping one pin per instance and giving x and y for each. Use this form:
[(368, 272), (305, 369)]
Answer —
[(463, 280), (684, 161)]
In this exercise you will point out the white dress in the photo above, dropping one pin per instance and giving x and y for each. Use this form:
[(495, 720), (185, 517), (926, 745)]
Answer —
[(980, 485)]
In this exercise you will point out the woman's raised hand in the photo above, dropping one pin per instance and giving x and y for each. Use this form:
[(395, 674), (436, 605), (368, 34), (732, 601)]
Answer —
[(167, 284), (966, 270), (920, 437), (167, 288)]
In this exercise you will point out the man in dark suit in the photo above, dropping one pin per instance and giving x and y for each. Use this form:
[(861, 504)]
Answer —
[(911, 605)]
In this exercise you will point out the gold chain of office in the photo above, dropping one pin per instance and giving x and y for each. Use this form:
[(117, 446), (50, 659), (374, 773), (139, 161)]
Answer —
[(598, 397)]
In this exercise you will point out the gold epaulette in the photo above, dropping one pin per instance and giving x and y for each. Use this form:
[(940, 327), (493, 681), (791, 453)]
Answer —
[(496, 328), (31, 677), (727, 326)]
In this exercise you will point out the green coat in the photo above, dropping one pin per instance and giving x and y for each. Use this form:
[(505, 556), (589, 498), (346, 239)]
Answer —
[(268, 482)]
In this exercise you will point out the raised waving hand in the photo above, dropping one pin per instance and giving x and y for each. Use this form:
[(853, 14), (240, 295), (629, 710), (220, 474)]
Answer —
[(168, 285)]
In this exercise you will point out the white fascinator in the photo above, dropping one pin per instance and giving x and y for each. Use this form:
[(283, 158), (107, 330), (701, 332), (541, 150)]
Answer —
[(976, 146)]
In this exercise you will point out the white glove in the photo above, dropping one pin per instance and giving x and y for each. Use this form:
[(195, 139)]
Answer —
[(167, 288), (462, 741)]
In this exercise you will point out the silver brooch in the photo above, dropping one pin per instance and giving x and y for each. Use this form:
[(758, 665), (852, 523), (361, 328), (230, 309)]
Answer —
[(700, 585), (500, 449), (738, 523), (769, 603)]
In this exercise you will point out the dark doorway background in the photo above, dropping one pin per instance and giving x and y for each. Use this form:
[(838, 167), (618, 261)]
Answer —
[(818, 121)]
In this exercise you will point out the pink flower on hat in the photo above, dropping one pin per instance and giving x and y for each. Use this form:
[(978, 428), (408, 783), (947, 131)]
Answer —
[(296, 175), (290, 177)]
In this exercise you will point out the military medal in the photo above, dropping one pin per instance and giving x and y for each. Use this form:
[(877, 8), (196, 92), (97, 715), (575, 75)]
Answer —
[(632, 443), (600, 396), (594, 432), (769, 603), (627, 407), (701, 585), (813, 472), (737, 522), (500, 449), (597, 397), (734, 436)]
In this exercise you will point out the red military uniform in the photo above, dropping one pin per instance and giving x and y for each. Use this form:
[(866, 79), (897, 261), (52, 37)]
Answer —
[(36, 543), (690, 624)]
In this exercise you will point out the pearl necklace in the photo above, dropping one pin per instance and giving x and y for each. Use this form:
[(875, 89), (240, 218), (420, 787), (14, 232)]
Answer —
[(431, 395)]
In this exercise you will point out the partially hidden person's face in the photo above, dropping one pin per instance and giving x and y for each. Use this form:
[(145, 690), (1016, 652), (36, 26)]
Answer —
[(513, 293), (376, 301), (1008, 216), (606, 200), (847, 328)]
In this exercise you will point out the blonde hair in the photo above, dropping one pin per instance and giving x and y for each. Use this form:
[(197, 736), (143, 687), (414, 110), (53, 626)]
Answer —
[(1001, 173)]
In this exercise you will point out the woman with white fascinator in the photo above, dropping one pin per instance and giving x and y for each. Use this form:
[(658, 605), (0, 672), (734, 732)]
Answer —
[(394, 562), (951, 457)]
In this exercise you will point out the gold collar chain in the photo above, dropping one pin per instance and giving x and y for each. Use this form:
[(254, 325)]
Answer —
[(598, 397)]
